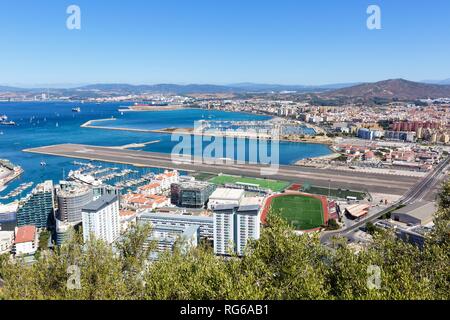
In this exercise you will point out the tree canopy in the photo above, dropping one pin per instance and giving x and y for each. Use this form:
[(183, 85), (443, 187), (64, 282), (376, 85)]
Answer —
[(280, 265)]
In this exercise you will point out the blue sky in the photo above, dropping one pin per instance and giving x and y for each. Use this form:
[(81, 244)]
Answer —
[(222, 41)]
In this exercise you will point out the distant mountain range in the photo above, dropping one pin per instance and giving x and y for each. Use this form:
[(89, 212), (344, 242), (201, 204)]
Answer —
[(123, 88), (446, 81), (394, 89)]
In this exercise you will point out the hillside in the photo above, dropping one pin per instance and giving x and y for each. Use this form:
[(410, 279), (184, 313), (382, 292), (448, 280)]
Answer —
[(395, 89)]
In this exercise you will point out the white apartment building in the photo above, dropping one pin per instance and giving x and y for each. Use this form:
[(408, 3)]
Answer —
[(224, 229), (248, 223), (235, 225), (101, 219)]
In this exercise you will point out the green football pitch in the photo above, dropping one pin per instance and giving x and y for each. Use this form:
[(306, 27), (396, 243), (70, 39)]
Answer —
[(301, 212), (273, 185)]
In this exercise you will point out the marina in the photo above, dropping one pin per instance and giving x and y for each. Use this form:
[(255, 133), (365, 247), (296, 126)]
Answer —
[(18, 191)]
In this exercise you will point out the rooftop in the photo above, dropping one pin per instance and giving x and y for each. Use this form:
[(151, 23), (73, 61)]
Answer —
[(70, 189), (227, 194), (25, 234), (100, 203), (6, 235), (168, 216), (250, 204), (420, 210)]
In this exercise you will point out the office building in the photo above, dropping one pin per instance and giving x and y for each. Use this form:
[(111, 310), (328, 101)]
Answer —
[(101, 219), (37, 208), (191, 194)]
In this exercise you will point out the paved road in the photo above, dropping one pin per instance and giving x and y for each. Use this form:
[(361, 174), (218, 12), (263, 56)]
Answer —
[(379, 183), (424, 189)]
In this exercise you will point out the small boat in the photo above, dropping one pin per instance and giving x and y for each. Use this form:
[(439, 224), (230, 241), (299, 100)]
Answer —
[(77, 109), (43, 163), (7, 123), (3, 118)]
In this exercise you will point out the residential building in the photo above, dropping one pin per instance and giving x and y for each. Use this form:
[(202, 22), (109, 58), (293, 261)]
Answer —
[(6, 241), (139, 201), (224, 229), (38, 207), (151, 188), (62, 231), (248, 223), (101, 219), (26, 241), (235, 225), (205, 224), (167, 178), (167, 236), (72, 197), (127, 218)]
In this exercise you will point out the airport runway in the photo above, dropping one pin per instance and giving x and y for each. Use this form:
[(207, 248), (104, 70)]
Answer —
[(379, 183)]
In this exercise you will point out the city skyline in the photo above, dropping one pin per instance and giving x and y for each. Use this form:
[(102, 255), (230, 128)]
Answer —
[(175, 42)]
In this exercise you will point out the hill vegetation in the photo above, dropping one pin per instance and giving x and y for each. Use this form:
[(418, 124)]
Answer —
[(390, 90), (280, 265)]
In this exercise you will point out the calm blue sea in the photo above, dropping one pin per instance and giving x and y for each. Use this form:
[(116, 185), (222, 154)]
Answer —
[(47, 123)]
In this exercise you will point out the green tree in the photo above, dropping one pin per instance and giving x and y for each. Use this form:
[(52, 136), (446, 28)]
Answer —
[(279, 265)]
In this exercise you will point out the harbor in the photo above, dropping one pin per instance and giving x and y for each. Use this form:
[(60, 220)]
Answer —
[(122, 179)]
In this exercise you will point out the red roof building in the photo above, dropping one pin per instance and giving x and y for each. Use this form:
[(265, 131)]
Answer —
[(25, 234)]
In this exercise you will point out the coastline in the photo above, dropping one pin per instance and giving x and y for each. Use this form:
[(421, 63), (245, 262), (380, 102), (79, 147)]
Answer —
[(332, 156), (189, 131), (137, 108), (11, 171)]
